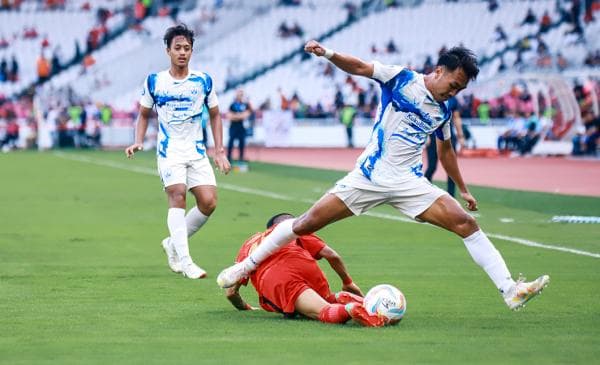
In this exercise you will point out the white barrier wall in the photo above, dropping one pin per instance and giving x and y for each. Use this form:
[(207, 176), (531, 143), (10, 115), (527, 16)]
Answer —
[(300, 135)]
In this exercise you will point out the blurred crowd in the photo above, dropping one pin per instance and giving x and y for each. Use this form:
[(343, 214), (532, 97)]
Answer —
[(587, 139), (51, 58), (64, 119), (60, 120), (9, 69)]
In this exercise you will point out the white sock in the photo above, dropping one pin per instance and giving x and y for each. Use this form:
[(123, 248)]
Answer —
[(487, 256), (178, 233), (194, 220), (279, 237)]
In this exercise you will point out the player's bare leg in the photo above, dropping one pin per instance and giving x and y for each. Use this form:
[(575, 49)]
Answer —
[(206, 203), (312, 305), (326, 210), (445, 212)]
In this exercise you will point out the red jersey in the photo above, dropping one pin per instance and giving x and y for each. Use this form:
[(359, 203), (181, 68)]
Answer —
[(282, 277)]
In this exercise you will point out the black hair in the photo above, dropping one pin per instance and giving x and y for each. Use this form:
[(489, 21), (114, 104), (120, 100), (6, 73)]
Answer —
[(278, 218), (461, 57), (177, 30)]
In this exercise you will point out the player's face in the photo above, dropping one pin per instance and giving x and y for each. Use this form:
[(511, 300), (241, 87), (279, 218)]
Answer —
[(180, 51), (448, 83), (239, 94)]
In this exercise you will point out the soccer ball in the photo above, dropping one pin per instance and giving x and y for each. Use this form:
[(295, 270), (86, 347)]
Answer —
[(386, 301)]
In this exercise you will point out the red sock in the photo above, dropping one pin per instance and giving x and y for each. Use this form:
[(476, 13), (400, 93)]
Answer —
[(334, 313)]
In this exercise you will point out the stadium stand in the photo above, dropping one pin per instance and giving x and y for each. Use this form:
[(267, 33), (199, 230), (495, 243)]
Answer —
[(258, 45)]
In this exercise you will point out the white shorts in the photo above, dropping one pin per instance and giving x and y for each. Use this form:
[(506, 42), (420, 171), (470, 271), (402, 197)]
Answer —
[(411, 201), (191, 173)]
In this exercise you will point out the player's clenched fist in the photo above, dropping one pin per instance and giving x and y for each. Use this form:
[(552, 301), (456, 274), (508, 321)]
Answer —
[(314, 47)]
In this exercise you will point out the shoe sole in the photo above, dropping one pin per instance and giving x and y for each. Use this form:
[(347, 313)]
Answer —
[(199, 277), (521, 305)]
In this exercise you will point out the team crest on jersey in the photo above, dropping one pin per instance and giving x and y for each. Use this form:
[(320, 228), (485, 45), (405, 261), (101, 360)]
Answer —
[(195, 91)]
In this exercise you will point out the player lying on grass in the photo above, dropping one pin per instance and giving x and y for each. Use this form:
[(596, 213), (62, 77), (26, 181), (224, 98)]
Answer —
[(413, 106), (290, 282)]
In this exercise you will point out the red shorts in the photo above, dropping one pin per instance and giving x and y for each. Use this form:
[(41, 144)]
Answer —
[(280, 285)]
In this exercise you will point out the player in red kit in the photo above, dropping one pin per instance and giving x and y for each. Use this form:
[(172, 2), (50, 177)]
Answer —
[(291, 282)]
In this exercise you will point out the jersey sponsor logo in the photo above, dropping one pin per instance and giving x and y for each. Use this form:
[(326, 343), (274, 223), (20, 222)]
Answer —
[(419, 124), (171, 101), (179, 106)]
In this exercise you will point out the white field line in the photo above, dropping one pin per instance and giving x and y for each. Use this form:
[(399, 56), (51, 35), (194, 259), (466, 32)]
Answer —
[(241, 189)]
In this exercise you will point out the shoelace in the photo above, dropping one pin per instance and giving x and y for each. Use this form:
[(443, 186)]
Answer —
[(521, 280)]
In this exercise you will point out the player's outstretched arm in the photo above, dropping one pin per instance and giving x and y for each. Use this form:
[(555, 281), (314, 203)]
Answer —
[(337, 264), (448, 159), (234, 297), (350, 64), (216, 125), (140, 131)]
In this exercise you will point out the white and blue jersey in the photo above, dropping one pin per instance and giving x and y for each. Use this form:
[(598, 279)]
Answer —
[(180, 105), (407, 115)]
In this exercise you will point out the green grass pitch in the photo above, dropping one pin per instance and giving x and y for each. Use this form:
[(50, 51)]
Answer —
[(83, 279)]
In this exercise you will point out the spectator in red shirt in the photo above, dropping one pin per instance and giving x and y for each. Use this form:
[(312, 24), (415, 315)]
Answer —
[(546, 22), (45, 41), (30, 33)]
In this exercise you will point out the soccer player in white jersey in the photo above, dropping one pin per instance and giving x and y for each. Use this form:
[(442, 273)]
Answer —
[(389, 171), (179, 96)]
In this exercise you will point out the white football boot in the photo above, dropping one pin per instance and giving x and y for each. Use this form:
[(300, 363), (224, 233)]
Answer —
[(172, 258), (522, 291), (231, 275), (193, 271)]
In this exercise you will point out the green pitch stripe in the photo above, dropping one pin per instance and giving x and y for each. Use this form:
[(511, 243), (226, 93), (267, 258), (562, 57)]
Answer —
[(267, 194)]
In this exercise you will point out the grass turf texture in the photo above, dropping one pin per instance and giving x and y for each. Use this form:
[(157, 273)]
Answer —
[(83, 278)]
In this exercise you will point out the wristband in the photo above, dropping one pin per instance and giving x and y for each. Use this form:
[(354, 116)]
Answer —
[(347, 280), (328, 53)]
